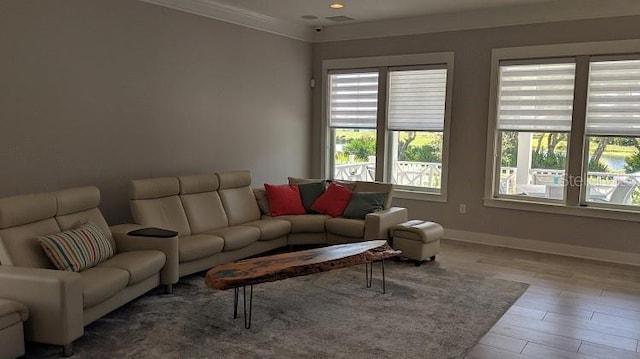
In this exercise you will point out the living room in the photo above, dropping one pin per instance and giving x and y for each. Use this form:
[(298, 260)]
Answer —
[(103, 92)]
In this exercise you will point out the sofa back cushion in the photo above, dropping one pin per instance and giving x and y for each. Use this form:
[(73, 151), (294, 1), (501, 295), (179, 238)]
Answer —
[(22, 220), (80, 205), (201, 203), (237, 197), (155, 203)]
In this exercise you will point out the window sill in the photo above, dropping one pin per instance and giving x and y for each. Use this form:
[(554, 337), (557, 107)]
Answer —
[(419, 195), (563, 209)]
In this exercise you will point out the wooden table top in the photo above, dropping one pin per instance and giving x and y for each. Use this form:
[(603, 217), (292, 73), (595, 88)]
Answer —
[(293, 264)]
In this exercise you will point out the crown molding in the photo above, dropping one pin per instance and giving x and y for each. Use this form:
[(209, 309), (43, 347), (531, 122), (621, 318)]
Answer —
[(242, 17), (565, 10), (553, 11)]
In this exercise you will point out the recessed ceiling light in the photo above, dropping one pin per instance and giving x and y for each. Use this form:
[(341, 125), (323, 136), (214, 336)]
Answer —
[(336, 5)]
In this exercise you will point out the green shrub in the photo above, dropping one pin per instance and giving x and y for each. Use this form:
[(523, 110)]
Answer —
[(554, 161), (633, 163), (425, 153), (361, 148), (598, 166)]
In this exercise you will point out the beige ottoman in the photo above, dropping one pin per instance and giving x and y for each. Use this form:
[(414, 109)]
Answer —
[(12, 314), (417, 239)]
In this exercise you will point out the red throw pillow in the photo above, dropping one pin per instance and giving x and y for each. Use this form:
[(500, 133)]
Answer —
[(284, 199), (333, 201)]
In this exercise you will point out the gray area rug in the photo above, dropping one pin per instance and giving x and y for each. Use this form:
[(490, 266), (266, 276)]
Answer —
[(427, 312)]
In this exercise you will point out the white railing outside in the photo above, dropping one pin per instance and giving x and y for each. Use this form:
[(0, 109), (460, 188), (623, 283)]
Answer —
[(599, 184), (429, 175), (508, 174), (405, 173)]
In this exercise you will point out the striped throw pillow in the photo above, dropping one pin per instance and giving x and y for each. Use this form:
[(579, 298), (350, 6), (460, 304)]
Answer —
[(77, 249)]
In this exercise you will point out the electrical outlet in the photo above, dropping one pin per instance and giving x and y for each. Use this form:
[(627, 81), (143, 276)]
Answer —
[(463, 208)]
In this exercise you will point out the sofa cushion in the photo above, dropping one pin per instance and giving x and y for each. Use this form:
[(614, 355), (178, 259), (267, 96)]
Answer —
[(271, 228), (346, 227), (199, 246), (263, 202), (198, 183), (22, 219), (365, 202), (312, 223), (19, 245), (204, 211), (93, 215), (234, 179), (165, 212), (309, 192), (154, 188), (237, 237), (333, 201), (284, 199), (237, 197), (77, 249), (101, 283), (239, 205), (140, 264), (25, 209)]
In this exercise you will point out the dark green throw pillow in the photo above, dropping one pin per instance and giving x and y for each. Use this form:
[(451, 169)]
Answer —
[(309, 192), (363, 203)]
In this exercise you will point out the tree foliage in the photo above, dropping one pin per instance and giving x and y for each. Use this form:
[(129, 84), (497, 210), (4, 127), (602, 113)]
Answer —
[(633, 163), (509, 149), (361, 148), (548, 160), (425, 153)]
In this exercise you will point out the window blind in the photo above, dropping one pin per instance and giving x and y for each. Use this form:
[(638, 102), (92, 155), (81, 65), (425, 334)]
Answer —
[(536, 97), (417, 100), (614, 98), (353, 100)]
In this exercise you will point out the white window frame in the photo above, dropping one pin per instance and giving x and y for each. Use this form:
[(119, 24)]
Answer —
[(383, 158), (574, 203)]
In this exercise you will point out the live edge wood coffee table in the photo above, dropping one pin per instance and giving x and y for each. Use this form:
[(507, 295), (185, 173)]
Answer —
[(248, 272)]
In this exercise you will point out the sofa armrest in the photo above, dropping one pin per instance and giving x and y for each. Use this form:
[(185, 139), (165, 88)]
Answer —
[(377, 224), (169, 246), (54, 299)]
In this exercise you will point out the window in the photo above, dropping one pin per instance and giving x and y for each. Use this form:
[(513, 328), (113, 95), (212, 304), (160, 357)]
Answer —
[(389, 122), (535, 104), (613, 133), (565, 124), (353, 109), (416, 111)]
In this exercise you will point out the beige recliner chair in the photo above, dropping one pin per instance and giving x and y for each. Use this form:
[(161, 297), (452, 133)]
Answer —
[(60, 302)]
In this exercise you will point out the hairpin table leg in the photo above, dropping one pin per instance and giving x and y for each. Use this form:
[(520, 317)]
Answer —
[(368, 274), (235, 302), (247, 314)]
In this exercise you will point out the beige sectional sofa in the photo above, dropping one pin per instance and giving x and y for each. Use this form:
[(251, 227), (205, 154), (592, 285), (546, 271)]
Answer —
[(61, 303), (218, 219)]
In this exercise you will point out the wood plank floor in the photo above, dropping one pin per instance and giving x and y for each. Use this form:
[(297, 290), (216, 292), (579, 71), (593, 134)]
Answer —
[(574, 308)]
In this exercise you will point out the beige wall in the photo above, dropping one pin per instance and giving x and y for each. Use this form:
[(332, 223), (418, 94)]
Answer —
[(96, 92), (469, 128)]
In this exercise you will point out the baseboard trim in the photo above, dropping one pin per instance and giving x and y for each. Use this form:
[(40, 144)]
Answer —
[(568, 250)]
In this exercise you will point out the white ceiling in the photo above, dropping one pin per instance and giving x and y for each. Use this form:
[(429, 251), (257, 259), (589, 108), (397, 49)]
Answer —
[(365, 10), (381, 18)]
